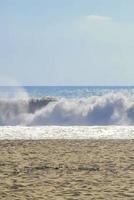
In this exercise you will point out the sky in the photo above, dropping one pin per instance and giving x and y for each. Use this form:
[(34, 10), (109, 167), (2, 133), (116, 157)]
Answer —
[(67, 42)]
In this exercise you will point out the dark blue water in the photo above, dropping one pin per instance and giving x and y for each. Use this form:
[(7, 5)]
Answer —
[(65, 91)]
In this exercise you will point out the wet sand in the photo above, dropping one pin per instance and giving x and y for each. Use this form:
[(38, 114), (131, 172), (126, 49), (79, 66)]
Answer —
[(67, 169)]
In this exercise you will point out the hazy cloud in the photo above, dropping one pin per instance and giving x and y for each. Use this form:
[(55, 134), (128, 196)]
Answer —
[(98, 18)]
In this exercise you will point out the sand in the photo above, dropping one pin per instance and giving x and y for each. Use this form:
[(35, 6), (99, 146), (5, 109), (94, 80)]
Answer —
[(67, 169)]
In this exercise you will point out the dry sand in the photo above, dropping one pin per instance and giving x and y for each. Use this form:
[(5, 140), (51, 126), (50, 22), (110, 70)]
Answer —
[(67, 169)]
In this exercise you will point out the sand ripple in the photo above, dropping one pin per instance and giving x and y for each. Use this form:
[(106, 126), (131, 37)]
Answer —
[(67, 169)]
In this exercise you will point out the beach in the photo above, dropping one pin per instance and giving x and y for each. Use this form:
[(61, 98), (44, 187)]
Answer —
[(66, 169)]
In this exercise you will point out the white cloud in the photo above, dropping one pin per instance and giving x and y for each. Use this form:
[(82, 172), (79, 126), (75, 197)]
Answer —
[(98, 18)]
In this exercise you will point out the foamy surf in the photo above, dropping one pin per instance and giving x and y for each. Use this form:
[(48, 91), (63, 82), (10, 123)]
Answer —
[(108, 109), (66, 132)]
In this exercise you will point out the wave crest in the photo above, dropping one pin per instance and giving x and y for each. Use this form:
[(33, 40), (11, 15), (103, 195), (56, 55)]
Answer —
[(108, 109)]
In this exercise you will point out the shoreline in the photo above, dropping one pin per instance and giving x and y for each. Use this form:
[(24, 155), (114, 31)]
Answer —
[(66, 132)]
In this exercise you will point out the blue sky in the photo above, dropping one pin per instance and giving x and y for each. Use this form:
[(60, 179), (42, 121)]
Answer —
[(67, 42)]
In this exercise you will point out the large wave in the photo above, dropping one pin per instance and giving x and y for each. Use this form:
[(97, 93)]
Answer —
[(108, 109)]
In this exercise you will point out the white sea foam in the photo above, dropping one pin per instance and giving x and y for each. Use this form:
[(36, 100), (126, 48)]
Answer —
[(108, 109), (66, 132)]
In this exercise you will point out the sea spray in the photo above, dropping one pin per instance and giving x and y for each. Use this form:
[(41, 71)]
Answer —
[(98, 110), (108, 109)]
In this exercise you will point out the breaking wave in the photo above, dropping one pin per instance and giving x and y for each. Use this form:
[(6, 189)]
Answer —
[(108, 109)]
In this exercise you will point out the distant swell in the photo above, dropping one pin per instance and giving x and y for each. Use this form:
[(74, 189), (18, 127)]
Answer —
[(108, 109)]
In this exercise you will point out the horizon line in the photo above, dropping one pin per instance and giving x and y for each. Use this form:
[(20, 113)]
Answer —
[(66, 85)]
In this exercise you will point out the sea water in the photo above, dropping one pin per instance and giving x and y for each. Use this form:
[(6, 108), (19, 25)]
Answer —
[(80, 112)]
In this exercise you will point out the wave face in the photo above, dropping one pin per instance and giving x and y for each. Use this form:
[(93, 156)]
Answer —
[(108, 109), (15, 111)]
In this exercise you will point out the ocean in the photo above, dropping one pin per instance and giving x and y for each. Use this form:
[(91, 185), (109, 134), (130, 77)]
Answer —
[(76, 112)]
